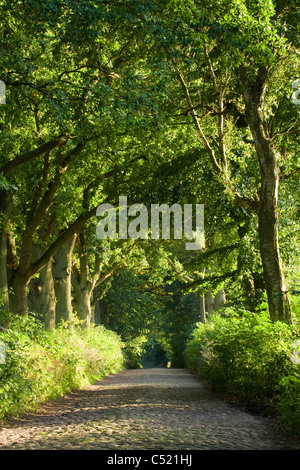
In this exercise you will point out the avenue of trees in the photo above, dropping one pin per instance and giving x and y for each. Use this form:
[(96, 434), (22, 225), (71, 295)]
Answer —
[(169, 102)]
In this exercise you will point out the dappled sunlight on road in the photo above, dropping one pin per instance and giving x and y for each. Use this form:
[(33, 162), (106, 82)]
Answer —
[(142, 409)]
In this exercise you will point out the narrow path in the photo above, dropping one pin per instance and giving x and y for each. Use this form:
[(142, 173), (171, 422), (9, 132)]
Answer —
[(163, 409)]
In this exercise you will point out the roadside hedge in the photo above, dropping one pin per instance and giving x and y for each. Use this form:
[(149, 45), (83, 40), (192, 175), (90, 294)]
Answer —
[(40, 365), (247, 355)]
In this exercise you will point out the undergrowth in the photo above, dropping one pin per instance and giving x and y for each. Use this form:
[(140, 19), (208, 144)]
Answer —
[(39, 365), (247, 355)]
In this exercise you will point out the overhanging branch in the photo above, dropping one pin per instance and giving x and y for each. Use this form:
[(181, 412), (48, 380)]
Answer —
[(12, 165)]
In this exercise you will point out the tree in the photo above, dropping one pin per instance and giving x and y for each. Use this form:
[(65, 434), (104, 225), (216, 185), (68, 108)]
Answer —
[(132, 98), (66, 82), (229, 54), (95, 264)]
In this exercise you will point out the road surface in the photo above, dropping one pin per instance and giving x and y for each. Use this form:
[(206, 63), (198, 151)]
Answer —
[(143, 409)]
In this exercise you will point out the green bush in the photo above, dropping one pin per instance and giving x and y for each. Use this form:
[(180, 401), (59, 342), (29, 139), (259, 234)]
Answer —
[(288, 402), (242, 354), (41, 365), (133, 351), (251, 357)]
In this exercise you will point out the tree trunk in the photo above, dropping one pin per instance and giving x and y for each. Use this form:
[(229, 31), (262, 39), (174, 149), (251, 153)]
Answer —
[(93, 313), (219, 300), (5, 207), (48, 300), (83, 307), (19, 297), (278, 301), (84, 281), (41, 296), (102, 312), (61, 270), (97, 312), (209, 302), (202, 309), (4, 299)]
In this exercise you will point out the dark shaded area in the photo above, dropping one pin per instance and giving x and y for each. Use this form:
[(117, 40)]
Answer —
[(154, 355)]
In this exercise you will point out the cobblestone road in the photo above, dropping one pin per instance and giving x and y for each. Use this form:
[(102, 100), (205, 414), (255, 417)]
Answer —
[(143, 409)]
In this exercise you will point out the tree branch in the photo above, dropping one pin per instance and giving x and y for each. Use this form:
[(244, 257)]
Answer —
[(286, 176), (199, 129), (33, 154), (52, 188), (220, 92), (61, 240)]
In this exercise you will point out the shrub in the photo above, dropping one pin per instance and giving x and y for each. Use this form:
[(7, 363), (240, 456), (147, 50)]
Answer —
[(133, 352), (242, 354), (288, 404), (41, 365)]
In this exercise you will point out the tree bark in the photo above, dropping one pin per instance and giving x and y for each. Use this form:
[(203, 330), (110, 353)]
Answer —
[(5, 206), (278, 301), (3, 272), (48, 300), (83, 307), (209, 302), (61, 270), (41, 296), (19, 297), (219, 300), (202, 309), (25, 269), (84, 281)]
